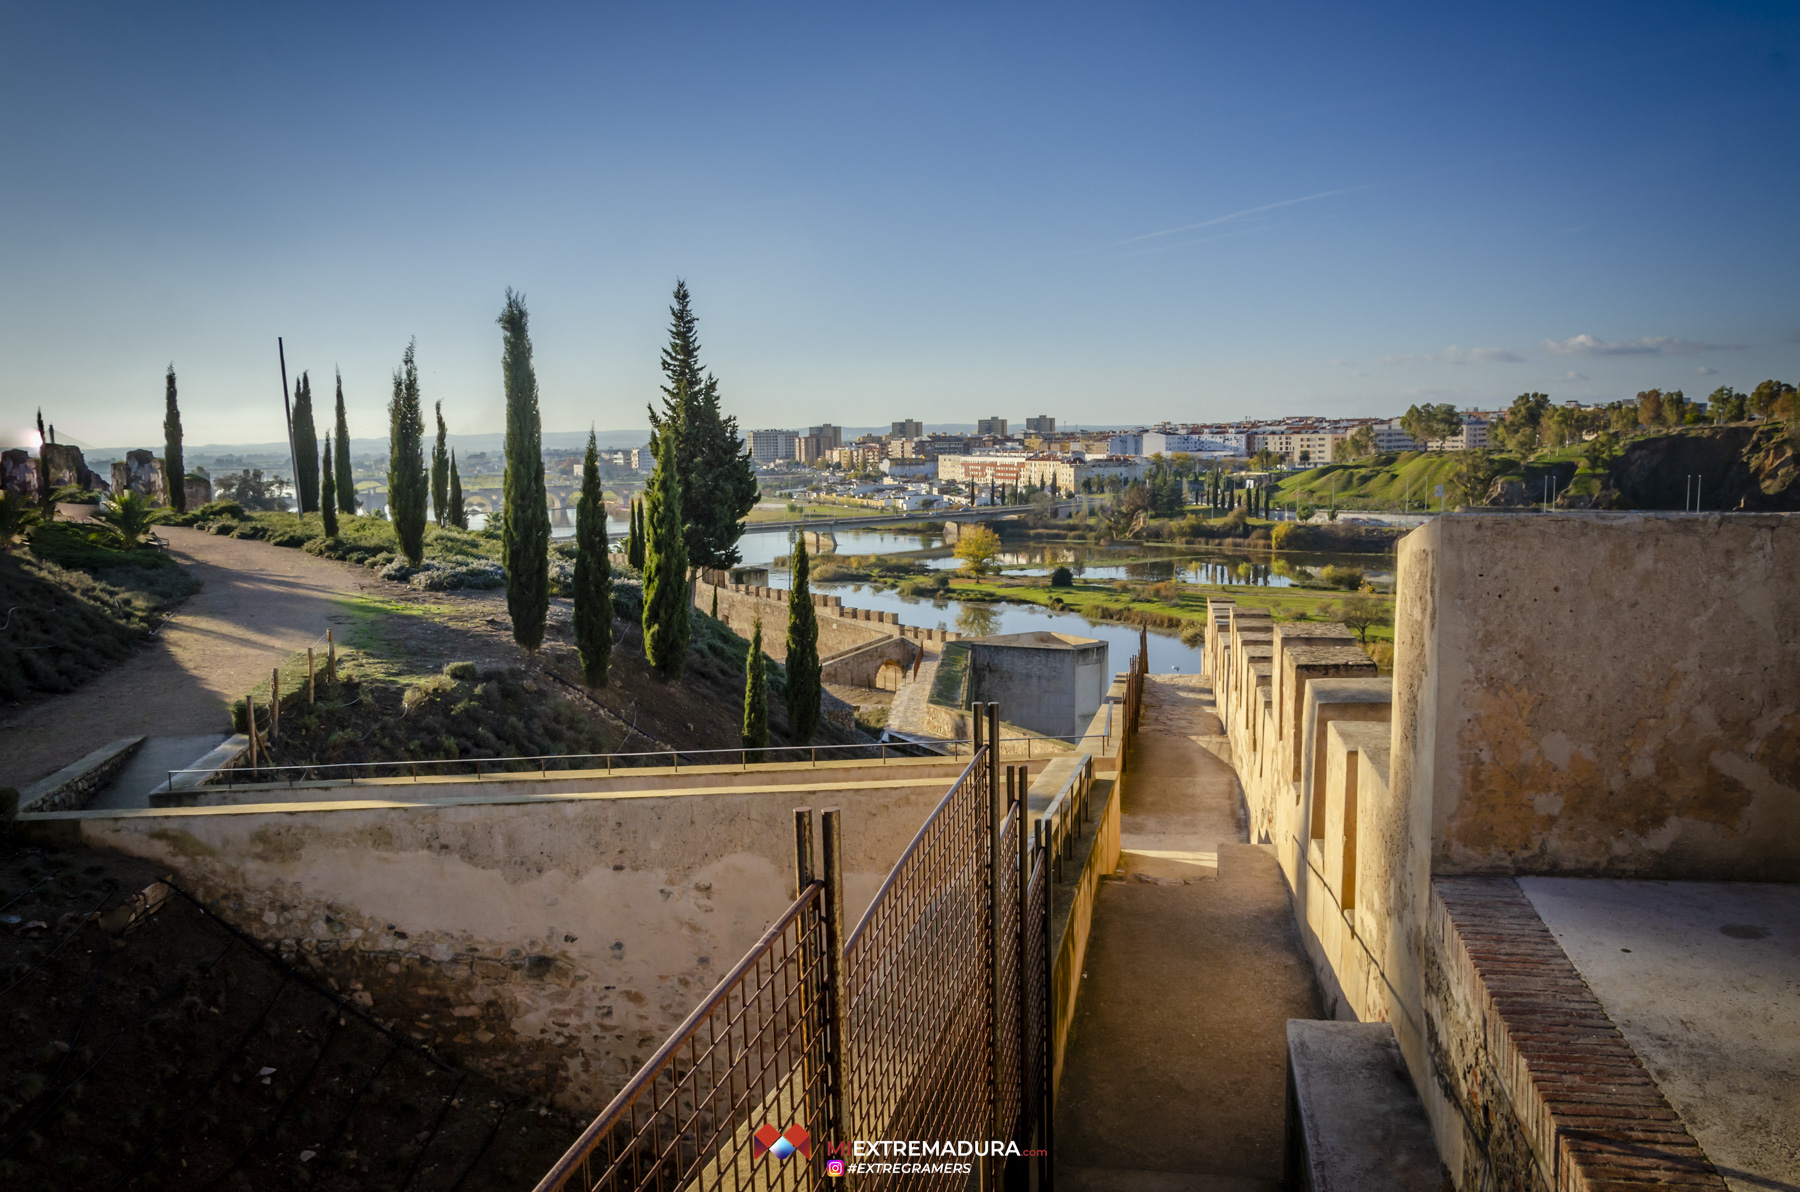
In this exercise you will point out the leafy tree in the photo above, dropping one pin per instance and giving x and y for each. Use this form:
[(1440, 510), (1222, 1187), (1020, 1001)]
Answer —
[(174, 472), (525, 517), (440, 473), (1475, 472), (978, 547), (406, 463), (667, 629), (593, 574), (1355, 445), (1600, 452), (1362, 613), (1522, 425), (1674, 408), (458, 514), (803, 697), (346, 482), (1649, 407), (328, 512), (756, 697), (1430, 423), (1764, 398), (718, 475), (306, 447), (1062, 577), (249, 489)]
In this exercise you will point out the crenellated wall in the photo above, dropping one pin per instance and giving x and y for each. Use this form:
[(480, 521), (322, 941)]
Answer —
[(1587, 694)]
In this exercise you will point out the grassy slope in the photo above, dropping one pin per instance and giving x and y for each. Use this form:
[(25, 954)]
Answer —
[(73, 607)]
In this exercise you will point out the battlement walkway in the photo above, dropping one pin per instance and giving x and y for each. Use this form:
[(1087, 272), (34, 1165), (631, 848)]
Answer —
[(1175, 1077)]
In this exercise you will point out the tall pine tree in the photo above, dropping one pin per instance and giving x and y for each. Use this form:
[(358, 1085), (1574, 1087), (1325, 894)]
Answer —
[(525, 533), (593, 574), (306, 447), (459, 516), (667, 627), (328, 490), (406, 461), (756, 697), (174, 471), (802, 652), (717, 475), (346, 483), (440, 474)]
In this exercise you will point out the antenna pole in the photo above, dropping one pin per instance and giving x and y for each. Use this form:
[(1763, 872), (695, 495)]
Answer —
[(288, 409)]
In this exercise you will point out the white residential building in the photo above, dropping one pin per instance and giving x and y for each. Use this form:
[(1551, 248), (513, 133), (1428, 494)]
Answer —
[(773, 446)]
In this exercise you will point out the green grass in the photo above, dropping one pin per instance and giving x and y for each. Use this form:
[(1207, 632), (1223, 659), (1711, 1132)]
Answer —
[(1166, 605)]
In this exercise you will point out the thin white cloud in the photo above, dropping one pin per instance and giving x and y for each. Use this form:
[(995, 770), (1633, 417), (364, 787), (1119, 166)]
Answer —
[(1456, 355), (1650, 345), (1572, 375), (1704, 371)]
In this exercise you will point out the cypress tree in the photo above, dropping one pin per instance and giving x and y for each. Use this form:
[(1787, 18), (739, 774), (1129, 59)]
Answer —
[(174, 471), (43, 468), (802, 653), (440, 474), (328, 490), (346, 483), (634, 547), (525, 532), (593, 574), (717, 475), (306, 447), (666, 625), (406, 462), (459, 516), (756, 697)]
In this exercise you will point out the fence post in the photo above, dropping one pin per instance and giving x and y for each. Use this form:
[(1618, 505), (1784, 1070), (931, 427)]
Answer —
[(311, 694), (837, 1007), (250, 721), (997, 801), (1046, 1089), (330, 658), (274, 702), (1026, 1109)]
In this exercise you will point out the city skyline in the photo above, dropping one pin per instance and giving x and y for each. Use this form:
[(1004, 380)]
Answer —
[(1168, 215)]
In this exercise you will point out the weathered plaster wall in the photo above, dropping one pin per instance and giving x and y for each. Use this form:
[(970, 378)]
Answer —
[(1051, 690), (1603, 694), (553, 943)]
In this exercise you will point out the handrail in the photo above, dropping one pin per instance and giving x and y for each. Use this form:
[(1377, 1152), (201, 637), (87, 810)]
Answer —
[(584, 1145), (674, 757), (912, 847)]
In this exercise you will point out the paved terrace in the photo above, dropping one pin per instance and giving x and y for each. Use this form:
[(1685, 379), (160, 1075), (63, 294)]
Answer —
[(1175, 1074)]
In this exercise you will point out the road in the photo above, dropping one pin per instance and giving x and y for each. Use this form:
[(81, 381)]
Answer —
[(983, 513), (257, 604)]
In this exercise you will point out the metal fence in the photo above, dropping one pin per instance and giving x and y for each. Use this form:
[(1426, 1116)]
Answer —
[(929, 1022)]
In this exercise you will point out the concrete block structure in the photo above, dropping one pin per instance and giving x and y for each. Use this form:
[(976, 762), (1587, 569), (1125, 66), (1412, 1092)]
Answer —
[(1049, 683)]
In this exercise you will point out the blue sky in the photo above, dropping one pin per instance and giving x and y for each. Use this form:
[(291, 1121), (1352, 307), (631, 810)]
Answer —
[(1107, 213)]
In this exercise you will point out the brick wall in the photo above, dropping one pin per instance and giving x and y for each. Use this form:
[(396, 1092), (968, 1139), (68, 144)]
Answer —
[(1549, 1093)]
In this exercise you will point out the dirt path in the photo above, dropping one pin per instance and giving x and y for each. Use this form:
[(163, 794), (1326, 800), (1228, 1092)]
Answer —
[(257, 604)]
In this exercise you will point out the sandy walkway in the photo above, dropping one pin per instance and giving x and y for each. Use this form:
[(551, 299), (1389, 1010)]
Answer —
[(257, 604)]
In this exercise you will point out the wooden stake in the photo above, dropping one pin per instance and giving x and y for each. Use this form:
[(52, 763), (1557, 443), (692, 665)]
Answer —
[(311, 694), (250, 721), (330, 659), (274, 702)]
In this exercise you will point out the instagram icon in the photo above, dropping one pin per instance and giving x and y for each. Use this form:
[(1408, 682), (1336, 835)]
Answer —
[(834, 1167)]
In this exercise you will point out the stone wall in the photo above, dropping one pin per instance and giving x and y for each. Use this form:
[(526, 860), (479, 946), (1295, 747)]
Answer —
[(841, 628), (550, 942), (1603, 694), (73, 787), (140, 472)]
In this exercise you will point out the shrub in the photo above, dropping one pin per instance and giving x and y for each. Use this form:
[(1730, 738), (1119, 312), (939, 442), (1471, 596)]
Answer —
[(463, 671), (1348, 578), (1193, 636), (1062, 577), (1288, 536)]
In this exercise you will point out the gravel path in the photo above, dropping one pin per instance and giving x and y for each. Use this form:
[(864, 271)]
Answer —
[(257, 604)]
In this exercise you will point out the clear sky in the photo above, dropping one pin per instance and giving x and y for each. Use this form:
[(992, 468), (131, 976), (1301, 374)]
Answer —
[(1105, 212)]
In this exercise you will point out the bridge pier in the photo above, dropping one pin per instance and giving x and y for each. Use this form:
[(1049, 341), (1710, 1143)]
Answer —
[(820, 542)]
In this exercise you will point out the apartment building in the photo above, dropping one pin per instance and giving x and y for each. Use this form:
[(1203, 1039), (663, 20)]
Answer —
[(991, 426), (773, 446), (1043, 424), (906, 429)]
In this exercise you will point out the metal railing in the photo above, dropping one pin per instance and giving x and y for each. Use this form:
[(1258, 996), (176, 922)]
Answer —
[(755, 1053), (930, 1021), (549, 763)]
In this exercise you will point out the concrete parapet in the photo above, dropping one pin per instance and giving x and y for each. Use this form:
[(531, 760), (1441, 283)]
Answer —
[(1355, 1123), (72, 787)]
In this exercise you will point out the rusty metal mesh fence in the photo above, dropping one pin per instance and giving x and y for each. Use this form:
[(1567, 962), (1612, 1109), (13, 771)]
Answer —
[(753, 1054)]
